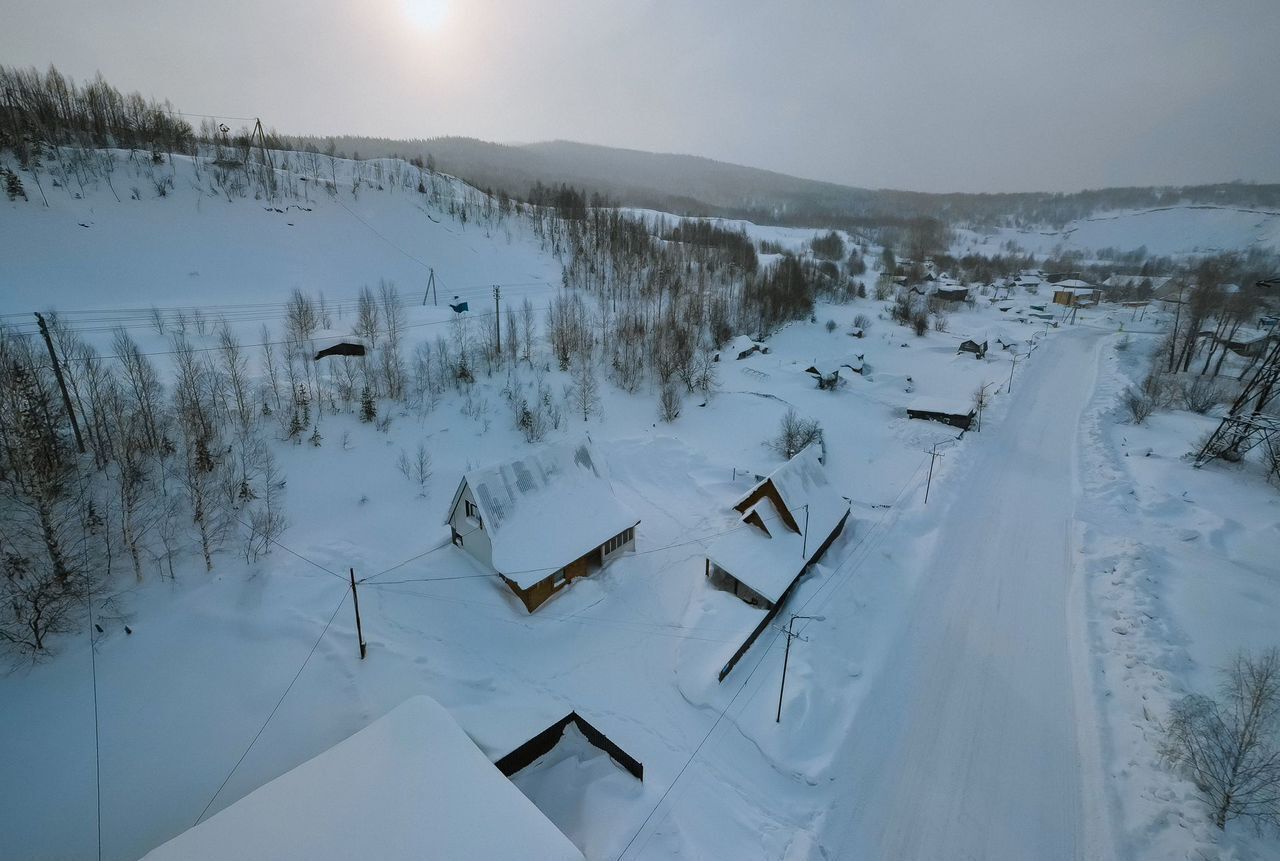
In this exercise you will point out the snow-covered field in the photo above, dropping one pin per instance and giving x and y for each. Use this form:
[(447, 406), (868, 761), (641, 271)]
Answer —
[(945, 703), (1175, 231)]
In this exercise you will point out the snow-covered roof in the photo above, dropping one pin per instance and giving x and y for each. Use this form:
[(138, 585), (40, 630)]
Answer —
[(546, 509), (946, 406), (739, 345), (1075, 285), (409, 786), (1157, 281), (768, 562)]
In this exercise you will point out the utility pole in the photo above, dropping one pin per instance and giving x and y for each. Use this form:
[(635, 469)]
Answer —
[(497, 320), (262, 143), (790, 634), (431, 289), (62, 383), (982, 402), (1016, 357), (933, 456), (355, 599)]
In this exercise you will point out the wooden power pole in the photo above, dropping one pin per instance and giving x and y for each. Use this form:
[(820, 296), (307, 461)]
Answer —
[(497, 320), (355, 599), (62, 383)]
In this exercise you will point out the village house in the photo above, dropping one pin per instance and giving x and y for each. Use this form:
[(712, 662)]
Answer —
[(542, 520), (790, 519), (1074, 293), (411, 785)]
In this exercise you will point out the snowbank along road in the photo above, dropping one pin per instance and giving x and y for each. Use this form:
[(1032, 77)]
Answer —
[(973, 742)]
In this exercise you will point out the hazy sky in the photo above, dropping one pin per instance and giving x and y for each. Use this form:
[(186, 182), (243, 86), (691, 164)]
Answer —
[(968, 95)]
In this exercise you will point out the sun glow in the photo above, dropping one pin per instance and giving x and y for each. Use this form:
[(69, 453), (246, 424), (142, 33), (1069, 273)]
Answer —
[(427, 14)]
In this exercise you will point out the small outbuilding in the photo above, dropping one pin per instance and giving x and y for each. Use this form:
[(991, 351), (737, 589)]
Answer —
[(955, 413), (542, 520), (951, 293), (979, 350), (740, 348), (411, 785), (790, 517)]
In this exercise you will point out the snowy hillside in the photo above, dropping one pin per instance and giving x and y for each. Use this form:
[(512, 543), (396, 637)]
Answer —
[(1175, 231), (950, 657)]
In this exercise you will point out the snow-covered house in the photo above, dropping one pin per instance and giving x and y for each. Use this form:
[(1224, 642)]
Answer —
[(411, 785), (789, 520), (1073, 292), (542, 520), (740, 348)]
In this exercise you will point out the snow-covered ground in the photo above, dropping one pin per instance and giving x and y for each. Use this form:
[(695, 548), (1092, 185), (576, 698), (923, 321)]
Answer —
[(1174, 231), (945, 700)]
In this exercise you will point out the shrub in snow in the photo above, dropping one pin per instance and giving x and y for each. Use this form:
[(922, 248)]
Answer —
[(1200, 394), (669, 403), (794, 433), (368, 409), (920, 323), (862, 321), (1229, 746), (1139, 403), (831, 325), (940, 323)]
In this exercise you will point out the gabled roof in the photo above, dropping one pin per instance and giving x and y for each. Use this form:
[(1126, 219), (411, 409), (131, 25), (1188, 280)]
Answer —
[(1074, 284), (409, 786), (768, 560), (546, 509)]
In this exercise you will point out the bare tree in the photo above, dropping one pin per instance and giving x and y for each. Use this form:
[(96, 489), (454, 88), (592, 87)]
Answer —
[(416, 469), (1230, 746), (585, 389), (266, 519), (669, 403), (794, 433)]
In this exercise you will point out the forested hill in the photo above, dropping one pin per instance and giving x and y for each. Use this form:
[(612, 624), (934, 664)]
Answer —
[(700, 186)]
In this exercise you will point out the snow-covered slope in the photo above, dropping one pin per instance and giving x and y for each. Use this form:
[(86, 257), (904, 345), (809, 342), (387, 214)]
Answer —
[(1174, 231)]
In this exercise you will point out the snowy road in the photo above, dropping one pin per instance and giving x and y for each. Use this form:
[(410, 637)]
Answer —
[(971, 743)]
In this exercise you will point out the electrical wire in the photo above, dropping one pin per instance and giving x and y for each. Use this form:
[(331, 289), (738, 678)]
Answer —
[(263, 728)]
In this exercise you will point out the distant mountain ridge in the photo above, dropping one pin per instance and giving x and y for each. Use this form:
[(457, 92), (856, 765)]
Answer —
[(695, 185)]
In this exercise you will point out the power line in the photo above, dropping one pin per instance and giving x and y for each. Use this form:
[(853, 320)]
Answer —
[(263, 728), (764, 653)]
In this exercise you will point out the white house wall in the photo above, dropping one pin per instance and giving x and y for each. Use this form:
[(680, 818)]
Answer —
[(474, 541)]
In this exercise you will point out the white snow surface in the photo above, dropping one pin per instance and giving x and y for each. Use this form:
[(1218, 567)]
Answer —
[(409, 787), (547, 508)]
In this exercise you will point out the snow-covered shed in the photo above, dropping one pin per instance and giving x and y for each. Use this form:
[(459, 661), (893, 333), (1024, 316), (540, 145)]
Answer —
[(411, 785), (951, 292), (542, 520), (950, 412), (789, 520), (740, 348)]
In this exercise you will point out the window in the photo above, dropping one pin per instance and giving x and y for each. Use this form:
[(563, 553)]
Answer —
[(473, 511)]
